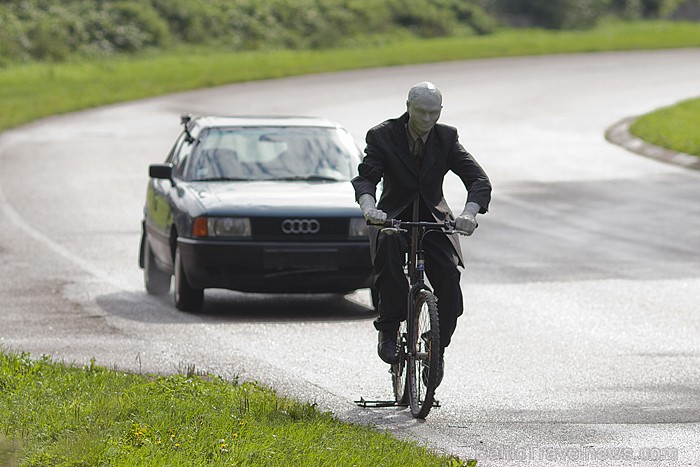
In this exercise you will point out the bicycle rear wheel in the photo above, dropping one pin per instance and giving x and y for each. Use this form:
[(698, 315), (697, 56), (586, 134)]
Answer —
[(398, 370), (423, 354)]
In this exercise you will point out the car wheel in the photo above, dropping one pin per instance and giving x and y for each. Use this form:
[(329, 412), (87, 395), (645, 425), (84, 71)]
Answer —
[(187, 298), (156, 281)]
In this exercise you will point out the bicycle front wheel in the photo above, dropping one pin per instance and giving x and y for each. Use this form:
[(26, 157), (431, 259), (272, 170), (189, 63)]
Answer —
[(423, 354)]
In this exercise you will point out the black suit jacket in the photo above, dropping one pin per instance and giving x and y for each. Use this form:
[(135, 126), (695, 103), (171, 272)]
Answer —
[(387, 156)]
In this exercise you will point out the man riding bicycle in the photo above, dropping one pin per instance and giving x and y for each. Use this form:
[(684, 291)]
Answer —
[(412, 154)]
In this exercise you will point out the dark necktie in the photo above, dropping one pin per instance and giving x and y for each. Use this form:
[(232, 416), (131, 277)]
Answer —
[(418, 150)]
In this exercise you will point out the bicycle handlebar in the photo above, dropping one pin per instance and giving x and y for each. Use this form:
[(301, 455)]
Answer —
[(398, 224)]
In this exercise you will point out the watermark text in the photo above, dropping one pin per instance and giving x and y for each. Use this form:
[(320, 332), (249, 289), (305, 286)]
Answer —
[(559, 454)]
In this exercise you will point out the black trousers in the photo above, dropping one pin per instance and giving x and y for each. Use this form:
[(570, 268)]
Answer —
[(441, 262)]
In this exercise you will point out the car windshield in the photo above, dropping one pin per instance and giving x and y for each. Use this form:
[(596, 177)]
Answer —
[(273, 153)]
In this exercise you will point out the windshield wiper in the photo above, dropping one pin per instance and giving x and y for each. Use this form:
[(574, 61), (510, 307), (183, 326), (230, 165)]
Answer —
[(223, 179), (307, 178)]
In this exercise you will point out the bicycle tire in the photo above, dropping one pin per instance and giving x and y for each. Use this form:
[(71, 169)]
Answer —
[(423, 354), (398, 370)]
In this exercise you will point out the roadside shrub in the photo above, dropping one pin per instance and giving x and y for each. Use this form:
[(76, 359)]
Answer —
[(49, 40), (572, 14), (422, 17), (555, 14), (437, 18), (13, 40), (135, 25), (628, 9), (366, 17), (333, 21), (31, 32), (106, 35), (635, 9), (53, 30), (471, 14), (185, 20)]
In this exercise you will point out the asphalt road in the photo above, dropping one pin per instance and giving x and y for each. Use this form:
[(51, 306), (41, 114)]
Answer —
[(580, 343)]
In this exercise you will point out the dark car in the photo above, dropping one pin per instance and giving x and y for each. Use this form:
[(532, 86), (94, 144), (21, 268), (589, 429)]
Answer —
[(255, 204)]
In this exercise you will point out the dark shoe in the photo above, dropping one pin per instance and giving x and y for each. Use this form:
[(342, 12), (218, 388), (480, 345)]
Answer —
[(387, 348)]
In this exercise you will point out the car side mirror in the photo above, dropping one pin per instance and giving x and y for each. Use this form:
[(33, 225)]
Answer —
[(161, 171)]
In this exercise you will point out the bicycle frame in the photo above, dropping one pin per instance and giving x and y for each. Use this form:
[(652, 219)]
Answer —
[(416, 272), (416, 277)]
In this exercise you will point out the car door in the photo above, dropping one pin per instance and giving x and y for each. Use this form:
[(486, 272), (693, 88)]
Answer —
[(160, 207)]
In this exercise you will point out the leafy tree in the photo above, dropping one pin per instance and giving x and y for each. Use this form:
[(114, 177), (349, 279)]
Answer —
[(555, 14)]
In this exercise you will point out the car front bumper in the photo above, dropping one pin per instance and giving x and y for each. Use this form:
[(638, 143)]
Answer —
[(267, 267)]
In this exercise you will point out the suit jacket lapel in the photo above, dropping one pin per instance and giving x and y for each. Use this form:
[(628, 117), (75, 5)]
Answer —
[(401, 145), (431, 147)]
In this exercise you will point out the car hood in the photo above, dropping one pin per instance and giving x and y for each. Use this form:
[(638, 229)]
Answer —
[(262, 198)]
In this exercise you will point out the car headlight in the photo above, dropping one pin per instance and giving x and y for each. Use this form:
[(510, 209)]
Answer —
[(358, 227), (221, 227)]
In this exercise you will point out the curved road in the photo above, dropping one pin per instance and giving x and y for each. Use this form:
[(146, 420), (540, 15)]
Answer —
[(581, 337)]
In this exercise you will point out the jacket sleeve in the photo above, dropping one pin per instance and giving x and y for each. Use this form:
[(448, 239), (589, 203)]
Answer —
[(370, 169), (475, 180)]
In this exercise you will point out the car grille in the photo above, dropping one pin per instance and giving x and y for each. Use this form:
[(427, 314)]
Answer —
[(322, 260), (300, 228)]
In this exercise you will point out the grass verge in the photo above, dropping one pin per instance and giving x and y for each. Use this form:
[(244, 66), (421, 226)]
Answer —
[(31, 91), (674, 127), (60, 415)]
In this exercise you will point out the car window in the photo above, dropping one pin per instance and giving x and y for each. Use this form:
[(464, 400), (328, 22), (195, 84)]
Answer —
[(274, 153), (172, 155), (181, 157)]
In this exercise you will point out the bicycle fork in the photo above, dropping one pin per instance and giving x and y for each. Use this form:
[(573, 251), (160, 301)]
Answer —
[(417, 275)]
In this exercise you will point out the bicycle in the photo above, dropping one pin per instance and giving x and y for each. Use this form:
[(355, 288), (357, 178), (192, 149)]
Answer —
[(414, 378)]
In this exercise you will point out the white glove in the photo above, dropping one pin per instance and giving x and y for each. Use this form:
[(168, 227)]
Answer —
[(466, 222), (369, 208)]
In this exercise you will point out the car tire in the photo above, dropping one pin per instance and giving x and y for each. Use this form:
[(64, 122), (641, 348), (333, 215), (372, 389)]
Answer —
[(186, 297), (156, 281)]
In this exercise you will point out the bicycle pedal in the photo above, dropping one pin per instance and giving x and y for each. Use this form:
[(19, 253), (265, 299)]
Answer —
[(377, 403)]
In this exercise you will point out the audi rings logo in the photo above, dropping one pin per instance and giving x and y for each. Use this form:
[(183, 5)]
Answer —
[(300, 226)]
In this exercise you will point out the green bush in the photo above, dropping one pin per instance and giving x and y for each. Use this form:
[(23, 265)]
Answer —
[(576, 14), (366, 16), (52, 31), (124, 26), (149, 29), (49, 38), (12, 36), (422, 17), (635, 9), (46, 31), (55, 30), (187, 22), (26, 32), (468, 14), (557, 14)]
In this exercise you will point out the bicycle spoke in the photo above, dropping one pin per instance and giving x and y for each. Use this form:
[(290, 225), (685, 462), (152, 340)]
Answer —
[(399, 370), (423, 354)]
